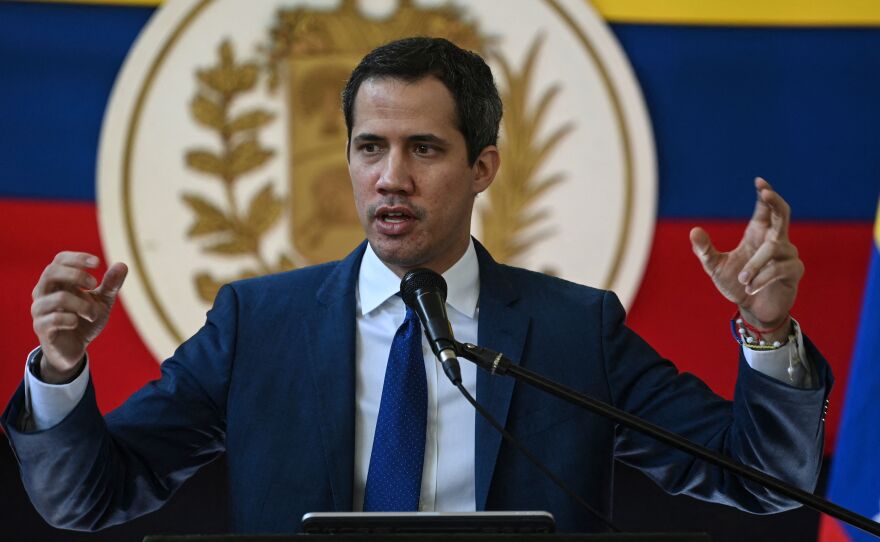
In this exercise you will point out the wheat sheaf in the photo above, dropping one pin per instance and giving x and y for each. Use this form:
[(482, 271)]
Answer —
[(511, 223), (230, 228)]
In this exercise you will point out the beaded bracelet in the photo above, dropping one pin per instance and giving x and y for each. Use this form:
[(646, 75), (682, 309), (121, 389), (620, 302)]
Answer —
[(752, 337)]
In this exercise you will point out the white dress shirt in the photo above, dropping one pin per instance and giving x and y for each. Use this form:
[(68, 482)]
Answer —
[(448, 475)]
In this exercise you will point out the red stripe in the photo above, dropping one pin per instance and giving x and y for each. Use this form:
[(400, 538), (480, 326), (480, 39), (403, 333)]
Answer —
[(830, 530), (679, 312), (34, 231), (677, 309)]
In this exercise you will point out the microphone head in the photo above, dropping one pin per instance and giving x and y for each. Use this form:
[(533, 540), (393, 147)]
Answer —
[(421, 279)]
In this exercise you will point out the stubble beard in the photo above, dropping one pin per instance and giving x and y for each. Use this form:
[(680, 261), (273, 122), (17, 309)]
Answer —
[(400, 256)]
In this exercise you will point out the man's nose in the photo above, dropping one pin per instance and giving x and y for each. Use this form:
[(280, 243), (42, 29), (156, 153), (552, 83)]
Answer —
[(396, 175)]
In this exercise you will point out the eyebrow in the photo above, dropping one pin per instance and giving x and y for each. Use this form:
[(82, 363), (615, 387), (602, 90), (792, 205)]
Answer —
[(427, 138), (418, 138), (367, 137)]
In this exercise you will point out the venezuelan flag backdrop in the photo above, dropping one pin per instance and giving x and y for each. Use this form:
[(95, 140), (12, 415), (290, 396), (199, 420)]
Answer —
[(789, 90), (855, 475)]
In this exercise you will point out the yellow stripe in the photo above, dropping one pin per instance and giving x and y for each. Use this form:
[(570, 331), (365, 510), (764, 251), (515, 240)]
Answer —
[(107, 2), (877, 227), (743, 12), (699, 12)]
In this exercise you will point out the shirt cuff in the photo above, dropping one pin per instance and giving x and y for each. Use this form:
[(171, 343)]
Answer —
[(48, 404), (788, 364)]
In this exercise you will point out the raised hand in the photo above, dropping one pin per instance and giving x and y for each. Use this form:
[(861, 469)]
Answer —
[(70, 309), (761, 274)]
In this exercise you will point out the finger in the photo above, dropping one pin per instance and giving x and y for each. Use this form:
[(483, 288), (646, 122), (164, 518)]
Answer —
[(761, 183), (55, 321), (789, 271), (65, 301), (780, 212), (112, 281), (762, 211), (703, 248), (62, 276), (77, 259), (769, 250)]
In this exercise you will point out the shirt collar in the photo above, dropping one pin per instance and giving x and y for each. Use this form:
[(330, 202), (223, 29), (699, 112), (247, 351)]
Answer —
[(377, 283)]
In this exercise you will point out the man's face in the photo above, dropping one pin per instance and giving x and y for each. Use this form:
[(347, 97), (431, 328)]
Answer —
[(413, 187)]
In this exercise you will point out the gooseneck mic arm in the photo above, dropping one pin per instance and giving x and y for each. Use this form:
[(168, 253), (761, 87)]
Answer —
[(496, 363)]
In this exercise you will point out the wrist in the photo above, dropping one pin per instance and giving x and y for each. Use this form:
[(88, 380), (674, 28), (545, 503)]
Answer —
[(47, 373), (763, 333)]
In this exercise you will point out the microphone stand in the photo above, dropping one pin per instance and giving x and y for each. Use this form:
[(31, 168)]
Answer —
[(496, 363)]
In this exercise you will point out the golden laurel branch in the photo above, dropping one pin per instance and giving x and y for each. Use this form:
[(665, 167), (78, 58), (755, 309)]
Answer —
[(232, 230), (509, 214)]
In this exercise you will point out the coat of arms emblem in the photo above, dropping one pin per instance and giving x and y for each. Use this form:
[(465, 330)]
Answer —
[(256, 170)]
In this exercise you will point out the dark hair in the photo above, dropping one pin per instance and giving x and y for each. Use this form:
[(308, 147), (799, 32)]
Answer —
[(465, 74)]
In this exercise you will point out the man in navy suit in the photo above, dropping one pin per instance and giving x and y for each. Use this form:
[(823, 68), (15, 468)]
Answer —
[(286, 375)]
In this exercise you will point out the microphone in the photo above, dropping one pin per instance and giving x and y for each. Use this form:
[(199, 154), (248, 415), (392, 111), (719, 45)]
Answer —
[(424, 291)]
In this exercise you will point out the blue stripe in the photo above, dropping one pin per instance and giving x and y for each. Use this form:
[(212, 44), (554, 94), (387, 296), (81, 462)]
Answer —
[(855, 475), (57, 66), (798, 106)]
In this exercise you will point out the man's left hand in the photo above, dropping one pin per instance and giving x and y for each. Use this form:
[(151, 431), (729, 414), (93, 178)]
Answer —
[(761, 274)]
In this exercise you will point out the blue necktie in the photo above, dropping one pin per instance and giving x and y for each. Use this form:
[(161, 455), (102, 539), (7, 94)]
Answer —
[(394, 480)]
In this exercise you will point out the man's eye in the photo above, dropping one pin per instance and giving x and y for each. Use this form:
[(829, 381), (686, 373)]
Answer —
[(369, 147), (423, 149)]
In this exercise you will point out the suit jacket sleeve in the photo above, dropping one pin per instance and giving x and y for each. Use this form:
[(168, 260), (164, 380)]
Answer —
[(89, 472), (769, 425)]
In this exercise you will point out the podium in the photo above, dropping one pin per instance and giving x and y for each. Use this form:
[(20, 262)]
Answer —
[(510, 526), (436, 537)]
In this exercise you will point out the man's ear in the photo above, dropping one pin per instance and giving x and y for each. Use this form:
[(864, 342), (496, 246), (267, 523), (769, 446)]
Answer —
[(485, 168)]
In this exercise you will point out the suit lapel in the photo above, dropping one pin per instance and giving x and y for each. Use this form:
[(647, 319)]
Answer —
[(332, 331), (503, 327)]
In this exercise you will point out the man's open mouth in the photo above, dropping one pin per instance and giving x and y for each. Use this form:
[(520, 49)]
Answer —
[(394, 215)]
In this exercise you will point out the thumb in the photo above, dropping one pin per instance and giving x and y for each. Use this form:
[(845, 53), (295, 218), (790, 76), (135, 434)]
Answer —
[(703, 248), (112, 281)]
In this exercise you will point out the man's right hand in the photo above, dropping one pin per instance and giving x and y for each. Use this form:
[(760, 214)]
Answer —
[(70, 309)]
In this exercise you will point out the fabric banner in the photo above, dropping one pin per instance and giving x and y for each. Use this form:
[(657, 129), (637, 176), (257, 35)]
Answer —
[(796, 105), (786, 90), (855, 475)]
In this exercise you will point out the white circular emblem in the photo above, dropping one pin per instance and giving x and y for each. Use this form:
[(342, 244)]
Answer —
[(222, 150)]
